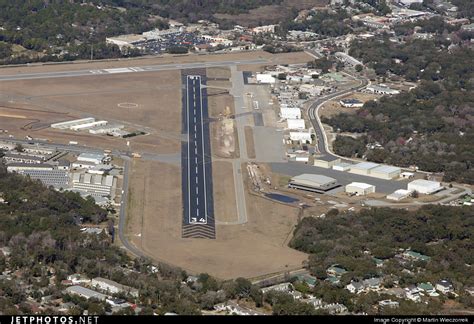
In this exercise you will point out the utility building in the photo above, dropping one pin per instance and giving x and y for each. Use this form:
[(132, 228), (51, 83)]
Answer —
[(363, 168), (425, 186), (360, 189), (385, 172), (326, 161), (313, 182)]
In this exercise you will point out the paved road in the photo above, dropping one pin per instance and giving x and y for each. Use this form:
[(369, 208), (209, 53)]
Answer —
[(322, 145), (149, 68)]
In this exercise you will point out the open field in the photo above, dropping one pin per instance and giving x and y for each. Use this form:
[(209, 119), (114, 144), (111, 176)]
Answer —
[(155, 95), (225, 208), (241, 250), (332, 108), (137, 62), (250, 142), (283, 58), (218, 73)]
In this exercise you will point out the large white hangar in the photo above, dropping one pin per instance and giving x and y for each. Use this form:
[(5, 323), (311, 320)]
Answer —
[(313, 182)]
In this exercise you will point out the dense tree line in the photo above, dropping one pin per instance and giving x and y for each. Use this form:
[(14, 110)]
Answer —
[(324, 23), (443, 233)]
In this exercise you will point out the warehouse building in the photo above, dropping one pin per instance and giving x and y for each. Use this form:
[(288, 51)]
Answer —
[(360, 188), (85, 292), (16, 167), (56, 178), (295, 123), (313, 182), (22, 158), (92, 184), (342, 166), (326, 161), (399, 195), (89, 125), (265, 78), (71, 123), (105, 129), (290, 113), (385, 172), (425, 186), (363, 168), (95, 158), (303, 136), (383, 90), (351, 103), (113, 287)]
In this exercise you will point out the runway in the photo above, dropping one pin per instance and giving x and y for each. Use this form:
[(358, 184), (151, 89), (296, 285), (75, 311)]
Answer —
[(149, 68), (198, 204)]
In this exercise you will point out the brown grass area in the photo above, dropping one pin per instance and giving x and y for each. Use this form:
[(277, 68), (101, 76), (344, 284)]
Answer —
[(333, 107), (218, 72), (225, 209), (135, 62), (241, 250), (250, 142), (282, 58), (157, 96)]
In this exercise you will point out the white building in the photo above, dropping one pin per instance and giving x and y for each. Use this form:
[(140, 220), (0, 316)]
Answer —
[(285, 287), (351, 103), (385, 172), (113, 287), (265, 78), (95, 158), (302, 136), (313, 182), (444, 287), (295, 123), (347, 59), (342, 166), (425, 186), (383, 90), (363, 168), (360, 188), (326, 161), (85, 292), (89, 125), (75, 122), (399, 194), (290, 113), (408, 3)]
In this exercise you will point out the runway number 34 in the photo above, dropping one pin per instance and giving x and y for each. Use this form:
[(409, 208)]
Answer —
[(195, 220)]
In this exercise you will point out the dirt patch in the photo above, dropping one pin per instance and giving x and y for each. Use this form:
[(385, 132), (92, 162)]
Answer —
[(250, 142), (218, 73), (240, 250), (225, 209), (333, 107), (282, 58), (156, 109)]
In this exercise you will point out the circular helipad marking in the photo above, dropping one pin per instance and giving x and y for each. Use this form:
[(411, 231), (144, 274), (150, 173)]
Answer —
[(128, 105)]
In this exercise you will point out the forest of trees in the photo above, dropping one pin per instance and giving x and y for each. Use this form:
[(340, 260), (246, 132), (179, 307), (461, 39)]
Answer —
[(323, 23), (441, 232)]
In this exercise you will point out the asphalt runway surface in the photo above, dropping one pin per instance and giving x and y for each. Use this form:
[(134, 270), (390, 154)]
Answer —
[(198, 205)]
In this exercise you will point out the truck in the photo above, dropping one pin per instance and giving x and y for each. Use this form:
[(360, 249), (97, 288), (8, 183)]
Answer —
[(136, 155), (73, 143)]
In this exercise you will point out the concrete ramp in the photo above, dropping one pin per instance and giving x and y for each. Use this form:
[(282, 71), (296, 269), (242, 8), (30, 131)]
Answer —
[(268, 144)]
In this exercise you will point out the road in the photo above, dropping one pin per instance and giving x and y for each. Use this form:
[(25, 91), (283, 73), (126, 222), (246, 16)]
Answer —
[(149, 68), (198, 204), (322, 145)]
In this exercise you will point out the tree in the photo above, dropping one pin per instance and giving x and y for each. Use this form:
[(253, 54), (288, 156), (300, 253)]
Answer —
[(243, 287), (359, 68)]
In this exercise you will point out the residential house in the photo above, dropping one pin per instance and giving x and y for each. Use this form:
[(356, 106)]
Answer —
[(444, 287), (335, 271), (309, 280), (285, 287), (428, 289), (78, 279), (412, 255), (113, 287), (388, 303), (414, 294), (372, 284), (355, 287)]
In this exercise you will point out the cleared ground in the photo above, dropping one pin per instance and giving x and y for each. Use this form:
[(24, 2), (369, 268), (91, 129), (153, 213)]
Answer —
[(225, 209), (154, 98), (333, 107), (238, 250), (250, 142)]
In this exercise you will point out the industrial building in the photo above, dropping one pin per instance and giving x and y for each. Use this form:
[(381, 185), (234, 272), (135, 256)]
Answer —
[(22, 158), (296, 123), (113, 287), (351, 103), (347, 59), (16, 167), (303, 136), (83, 165), (313, 182), (425, 186), (105, 129), (290, 113), (363, 168), (360, 188), (265, 78), (385, 172), (383, 90), (95, 158), (326, 161), (71, 123), (85, 292), (342, 166), (88, 125), (92, 184), (399, 195), (56, 178)]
